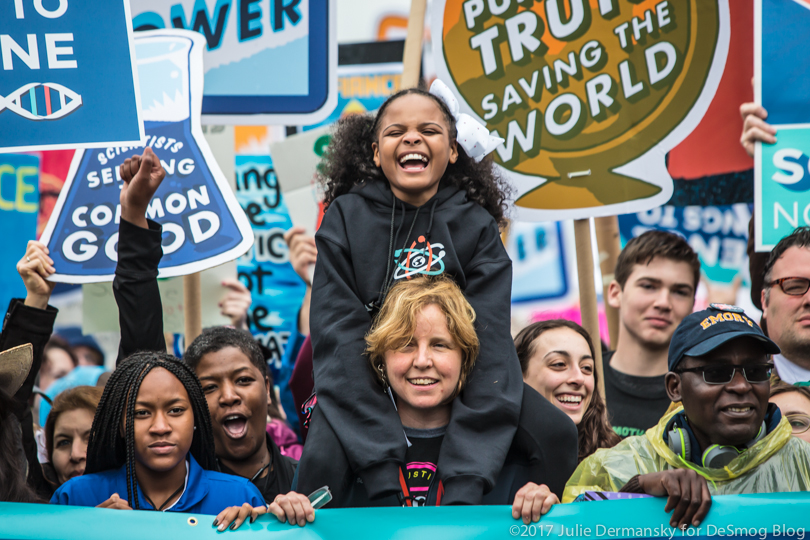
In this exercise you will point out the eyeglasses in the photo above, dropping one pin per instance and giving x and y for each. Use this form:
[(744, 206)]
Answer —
[(753, 373), (799, 423), (793, 286)]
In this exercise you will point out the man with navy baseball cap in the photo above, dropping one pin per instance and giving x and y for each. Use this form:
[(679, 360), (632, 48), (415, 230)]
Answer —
[(725, 431)]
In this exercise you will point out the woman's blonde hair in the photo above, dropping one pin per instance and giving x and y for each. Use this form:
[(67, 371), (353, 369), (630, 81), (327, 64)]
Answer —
[(395, 324)]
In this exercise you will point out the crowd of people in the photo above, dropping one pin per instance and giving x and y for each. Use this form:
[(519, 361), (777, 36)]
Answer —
[(409, 389)]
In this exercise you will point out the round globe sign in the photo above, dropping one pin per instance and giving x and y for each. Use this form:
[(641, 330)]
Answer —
[(589, 95)]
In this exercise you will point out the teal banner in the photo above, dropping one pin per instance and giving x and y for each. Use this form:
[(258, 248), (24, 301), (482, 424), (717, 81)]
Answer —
[(781, 516), (783, 186)]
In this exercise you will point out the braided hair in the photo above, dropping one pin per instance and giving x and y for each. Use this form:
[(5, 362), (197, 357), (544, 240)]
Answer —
[(349, 161), (107, 449)]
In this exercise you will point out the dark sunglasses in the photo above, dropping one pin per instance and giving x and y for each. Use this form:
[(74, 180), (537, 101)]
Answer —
[(793, 286), (753, 373)]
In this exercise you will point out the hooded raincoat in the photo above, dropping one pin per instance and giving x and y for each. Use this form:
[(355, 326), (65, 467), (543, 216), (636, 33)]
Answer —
[(778, 462)]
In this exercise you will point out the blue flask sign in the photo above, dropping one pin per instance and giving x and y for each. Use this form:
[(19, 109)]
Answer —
[(203, 224)]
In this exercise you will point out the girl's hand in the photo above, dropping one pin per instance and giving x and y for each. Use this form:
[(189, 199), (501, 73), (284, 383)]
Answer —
[(532, 501), (293, 508), (115, 502), (236, 515), (34, 268)]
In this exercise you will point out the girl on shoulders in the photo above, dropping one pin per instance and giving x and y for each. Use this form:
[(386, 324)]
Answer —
[(407, 193)]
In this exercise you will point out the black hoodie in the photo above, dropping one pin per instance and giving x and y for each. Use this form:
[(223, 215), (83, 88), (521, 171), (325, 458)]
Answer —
[(362, 236)]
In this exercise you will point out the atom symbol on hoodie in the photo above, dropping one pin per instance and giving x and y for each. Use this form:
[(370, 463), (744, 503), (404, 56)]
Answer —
[(420, 261)]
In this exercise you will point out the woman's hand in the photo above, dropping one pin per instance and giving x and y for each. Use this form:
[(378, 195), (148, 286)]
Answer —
[(34, 269), (293, 508), (687, 493), (236, 303), (303, 252), (233, 517), (532, 501), (142, 175), (115, 502)]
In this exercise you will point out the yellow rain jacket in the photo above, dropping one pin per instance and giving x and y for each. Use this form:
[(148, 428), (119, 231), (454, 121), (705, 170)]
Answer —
[(779, 462)]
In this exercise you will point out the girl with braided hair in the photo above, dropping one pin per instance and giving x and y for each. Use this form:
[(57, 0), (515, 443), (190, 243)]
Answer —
[(151, 445)]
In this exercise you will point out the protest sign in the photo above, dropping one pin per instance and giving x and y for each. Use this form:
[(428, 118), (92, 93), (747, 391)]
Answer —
[(296, 158), (276, 289), (369, 73), (718, 234), (202, 222), (589, 96), (61, 88), (781, 173), (538, 249), (744, 517), (19, 206), (100, 312), (266, 61)]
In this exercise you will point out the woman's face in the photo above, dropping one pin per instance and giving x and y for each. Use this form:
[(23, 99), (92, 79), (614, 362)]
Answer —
[(424, 374), (57, 364), (561, 370), (164, 422), (794, 403), (70, 435)]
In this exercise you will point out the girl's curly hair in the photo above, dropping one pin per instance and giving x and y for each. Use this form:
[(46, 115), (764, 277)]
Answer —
[(349, 161)]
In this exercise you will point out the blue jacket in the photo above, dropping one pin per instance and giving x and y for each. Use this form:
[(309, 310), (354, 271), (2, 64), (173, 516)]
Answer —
[(207, 492)]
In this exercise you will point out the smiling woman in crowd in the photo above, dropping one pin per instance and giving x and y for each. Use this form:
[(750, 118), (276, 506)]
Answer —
[(421, 350), (557, 359), (67, 432)]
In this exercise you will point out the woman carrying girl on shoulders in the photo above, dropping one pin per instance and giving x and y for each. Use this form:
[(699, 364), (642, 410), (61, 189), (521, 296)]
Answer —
[(407, 194)]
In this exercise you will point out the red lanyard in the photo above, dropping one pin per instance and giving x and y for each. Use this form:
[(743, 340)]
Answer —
[(406, 494)]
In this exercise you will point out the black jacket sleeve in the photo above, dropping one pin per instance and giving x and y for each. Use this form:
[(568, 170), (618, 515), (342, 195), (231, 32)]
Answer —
[(549, 439), (485, 415), (25, 324), (353, 403), (140, 312)]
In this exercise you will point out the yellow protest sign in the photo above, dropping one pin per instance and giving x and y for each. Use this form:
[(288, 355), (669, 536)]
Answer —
[(589, 95)]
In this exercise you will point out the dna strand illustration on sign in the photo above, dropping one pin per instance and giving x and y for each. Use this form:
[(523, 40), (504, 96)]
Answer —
[(36, 101)]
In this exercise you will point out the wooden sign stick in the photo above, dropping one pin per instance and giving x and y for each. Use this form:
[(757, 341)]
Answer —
[(587, 294), (609, 246), (192, 307), (412, 57)]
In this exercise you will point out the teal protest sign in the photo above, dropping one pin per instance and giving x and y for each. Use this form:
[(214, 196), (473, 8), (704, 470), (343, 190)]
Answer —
[(19, 205), (781, 173), (782, 186), (779, 516)]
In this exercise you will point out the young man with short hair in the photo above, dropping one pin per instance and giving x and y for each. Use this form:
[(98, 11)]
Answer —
[(725, 432), (653, 288)]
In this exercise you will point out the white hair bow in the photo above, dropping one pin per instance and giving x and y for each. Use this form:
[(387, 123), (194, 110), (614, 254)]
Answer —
[(473, 136)]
